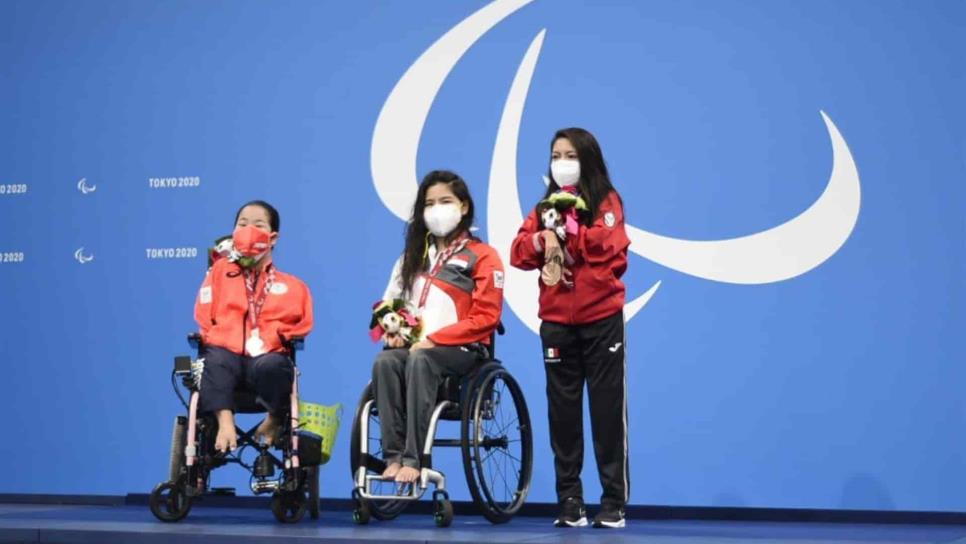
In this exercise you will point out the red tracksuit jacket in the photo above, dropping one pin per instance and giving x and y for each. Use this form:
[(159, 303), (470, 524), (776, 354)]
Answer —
[(221, 308), (465, 300), (597, 257)]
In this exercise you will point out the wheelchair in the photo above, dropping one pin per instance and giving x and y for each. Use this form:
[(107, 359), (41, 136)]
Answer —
[(495, 438), (193, 457)]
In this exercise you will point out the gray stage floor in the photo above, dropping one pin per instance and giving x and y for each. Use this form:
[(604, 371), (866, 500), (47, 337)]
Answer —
[(135, 524)]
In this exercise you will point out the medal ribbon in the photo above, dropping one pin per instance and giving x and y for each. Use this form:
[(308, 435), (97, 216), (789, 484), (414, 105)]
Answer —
[(255, 303)]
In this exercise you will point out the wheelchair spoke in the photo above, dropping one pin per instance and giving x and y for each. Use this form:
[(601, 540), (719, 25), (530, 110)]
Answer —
[(490, 467), (503, 429), (503, 424), (503, 451), (502, 473), (495, 466), (507, 454), (375, 437), (501, 434)]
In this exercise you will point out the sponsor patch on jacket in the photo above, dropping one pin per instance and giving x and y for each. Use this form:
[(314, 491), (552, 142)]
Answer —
[(498, 279), (278, 288), (204, 296), (609, 219)]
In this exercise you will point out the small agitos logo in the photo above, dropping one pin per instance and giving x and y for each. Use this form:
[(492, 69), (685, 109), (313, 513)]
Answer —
[(84, 188), (81, 258)]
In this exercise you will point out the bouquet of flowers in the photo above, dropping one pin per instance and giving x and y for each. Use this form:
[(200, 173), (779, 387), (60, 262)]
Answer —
[(391, 317)]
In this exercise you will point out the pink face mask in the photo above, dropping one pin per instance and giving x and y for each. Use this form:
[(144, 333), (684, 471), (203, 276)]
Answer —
[(251, 242)]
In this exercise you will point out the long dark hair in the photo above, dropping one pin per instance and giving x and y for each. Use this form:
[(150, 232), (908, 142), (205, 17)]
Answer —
[(417, 233), (594, 181), (273, 219)]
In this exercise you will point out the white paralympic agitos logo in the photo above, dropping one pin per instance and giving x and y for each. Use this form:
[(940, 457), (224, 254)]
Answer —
[(83, 187), (81, 258), (780, 253)]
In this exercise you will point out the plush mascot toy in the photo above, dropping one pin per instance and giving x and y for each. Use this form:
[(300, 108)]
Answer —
[(224, 248), (552, 219), (561, 212), (391, 317)]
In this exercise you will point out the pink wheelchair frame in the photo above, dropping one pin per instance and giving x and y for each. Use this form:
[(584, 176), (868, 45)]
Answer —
[(294, 491)]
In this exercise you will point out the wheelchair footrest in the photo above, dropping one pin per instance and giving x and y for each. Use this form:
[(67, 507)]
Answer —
[(405, 492), (402, 491)]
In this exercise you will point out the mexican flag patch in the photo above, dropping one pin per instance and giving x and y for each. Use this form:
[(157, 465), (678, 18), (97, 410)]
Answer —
[(552, 353)]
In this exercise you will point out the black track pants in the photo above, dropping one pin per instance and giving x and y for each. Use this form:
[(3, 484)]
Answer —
[(591, 353)]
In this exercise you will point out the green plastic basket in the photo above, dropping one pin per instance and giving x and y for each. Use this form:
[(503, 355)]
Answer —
[(322, 421)]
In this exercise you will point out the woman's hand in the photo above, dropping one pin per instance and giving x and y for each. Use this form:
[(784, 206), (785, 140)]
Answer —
[(553, 270), (423, 344), (394, 341), (551, 244)]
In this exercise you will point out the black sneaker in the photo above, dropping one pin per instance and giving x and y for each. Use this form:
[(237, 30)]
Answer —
[(572, 513), (611, 516)]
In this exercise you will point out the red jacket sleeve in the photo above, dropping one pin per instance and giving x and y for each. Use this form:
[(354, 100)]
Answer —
[(605, 240), (526, 253), (485, 308)]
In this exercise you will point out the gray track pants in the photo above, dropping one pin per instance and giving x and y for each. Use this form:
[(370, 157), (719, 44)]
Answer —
[(405, 386)]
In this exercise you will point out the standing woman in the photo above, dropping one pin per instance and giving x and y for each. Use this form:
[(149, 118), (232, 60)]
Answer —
[(582, 329)]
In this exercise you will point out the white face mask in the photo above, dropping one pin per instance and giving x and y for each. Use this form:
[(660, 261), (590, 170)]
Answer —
[(566, 172), (441, 219)]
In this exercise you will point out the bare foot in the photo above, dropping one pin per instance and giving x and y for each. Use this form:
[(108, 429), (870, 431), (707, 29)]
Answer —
[(391, 470), (407, 475), (226, 440), (266, 430)]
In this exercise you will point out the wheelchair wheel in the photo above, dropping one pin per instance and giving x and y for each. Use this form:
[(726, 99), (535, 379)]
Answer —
[(169, 502), (442, 509), (360, 511), (289, 507), (497, 444), (381, 510)]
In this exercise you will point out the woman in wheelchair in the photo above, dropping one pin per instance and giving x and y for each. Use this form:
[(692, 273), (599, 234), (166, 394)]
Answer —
[(454, 283), (246, 309)]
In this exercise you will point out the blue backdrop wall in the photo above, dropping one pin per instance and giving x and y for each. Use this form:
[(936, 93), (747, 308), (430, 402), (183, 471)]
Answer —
[(819, 364)]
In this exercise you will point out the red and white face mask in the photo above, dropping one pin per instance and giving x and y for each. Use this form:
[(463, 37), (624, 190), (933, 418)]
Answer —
[(252, 243)]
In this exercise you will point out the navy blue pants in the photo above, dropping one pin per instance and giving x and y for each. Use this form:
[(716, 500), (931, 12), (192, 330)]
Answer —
[(269, 376)]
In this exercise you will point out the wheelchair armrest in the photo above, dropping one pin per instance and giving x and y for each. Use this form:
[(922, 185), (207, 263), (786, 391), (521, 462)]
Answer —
[(194, 340), (295, 343)]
